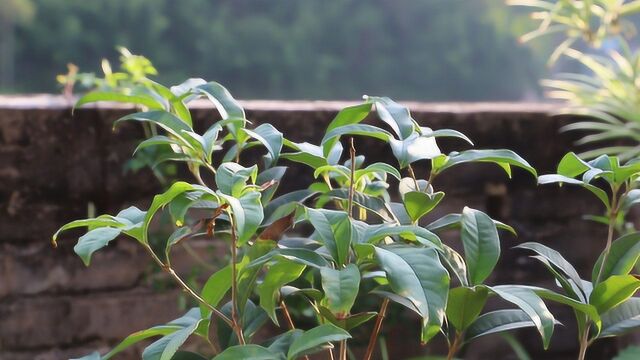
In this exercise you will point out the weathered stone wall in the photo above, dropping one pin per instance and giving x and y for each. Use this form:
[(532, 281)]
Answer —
[(53, 165)]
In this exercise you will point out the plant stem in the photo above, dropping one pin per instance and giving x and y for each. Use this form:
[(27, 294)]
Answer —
[(287, 316), (352, 152), (584, 343), (376, 329), (234, 284), (613, 214), (453, 349), (413, 176), (343, 350), (185, 287)]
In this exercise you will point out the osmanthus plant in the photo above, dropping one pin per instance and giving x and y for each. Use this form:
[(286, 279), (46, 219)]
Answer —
[(605, 305), (354, 234)]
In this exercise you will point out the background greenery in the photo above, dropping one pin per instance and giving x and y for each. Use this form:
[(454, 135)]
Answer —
[(338, 49)]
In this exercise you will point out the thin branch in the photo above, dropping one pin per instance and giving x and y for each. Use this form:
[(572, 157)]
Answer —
[(453, 349), (234, 283), (352, 152), (343, 350), (413, 176), (376, 329), (287, 316), (186, 287)]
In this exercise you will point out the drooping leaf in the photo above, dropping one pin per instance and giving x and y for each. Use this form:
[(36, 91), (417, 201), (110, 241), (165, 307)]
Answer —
[(504, 158), (94, 240), (599, 193), (166, 120), (529, 302), (340, 287), (113, 96), (394, 115), (215, 289), (271, 138), (416, 274), (278, 275), (452, 221), (247, 214), (556, 260), (167, 346), (481, 244), (498, 321)]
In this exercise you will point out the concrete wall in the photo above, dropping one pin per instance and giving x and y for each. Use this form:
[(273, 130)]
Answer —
[(52, 165)]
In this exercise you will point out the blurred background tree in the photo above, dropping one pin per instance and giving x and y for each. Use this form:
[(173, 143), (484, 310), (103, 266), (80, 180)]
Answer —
[(339, 49)]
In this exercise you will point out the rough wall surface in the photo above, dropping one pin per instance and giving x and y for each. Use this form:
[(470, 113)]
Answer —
[(53, 165)]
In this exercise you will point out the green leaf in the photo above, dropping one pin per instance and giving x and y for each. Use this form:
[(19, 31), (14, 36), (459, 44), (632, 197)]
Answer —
[(455, 262), (579, 306), (445, 133), (527, 300), (464, 305), (94, 240), (247, 214), (599, 193), (504, 158), (394, 115), (279, 274), (166, 347), (111, 96), (228, 107), (481, 244), (571, 165), (621, 319), (271, 138), (285, 204), (163, 199), (414, 148), (623, 256), (498, 321), (314, 338), (232, 178), (215, 289), (452, 221), (555, 259), (177, 105), (335, 233), (347, 116), (340, 288), (613, 291), (380, 168), (155, 141), (357, 129), (416, 274), (166, 120), (419, 204), (248, 275), (247, 352), (139, 336)]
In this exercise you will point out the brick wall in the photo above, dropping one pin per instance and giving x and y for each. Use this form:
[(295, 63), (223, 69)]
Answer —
[(53, 165)]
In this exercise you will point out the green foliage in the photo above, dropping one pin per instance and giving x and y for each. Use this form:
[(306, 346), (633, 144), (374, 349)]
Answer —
[(360, 241), (604, 306)]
